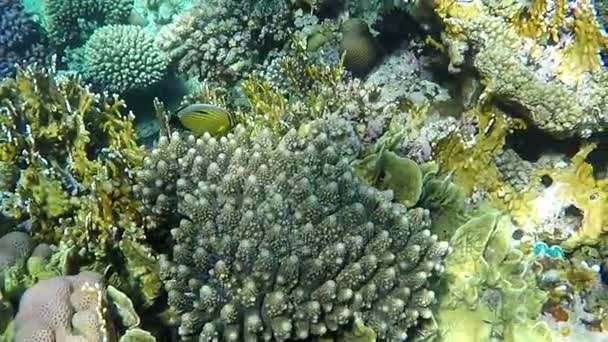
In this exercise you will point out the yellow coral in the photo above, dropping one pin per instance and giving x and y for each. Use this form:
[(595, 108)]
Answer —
[(582, 55), (78, 155), (578, 186), (473, 162), (268, 107), (531, 21), (534, 21)]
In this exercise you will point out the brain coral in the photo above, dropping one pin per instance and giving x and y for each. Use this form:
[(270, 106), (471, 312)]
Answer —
[(21, 38), (282, 241), (122, 58), (62, 309)]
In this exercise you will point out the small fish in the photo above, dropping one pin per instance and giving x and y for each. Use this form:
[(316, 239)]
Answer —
[(201, 118)]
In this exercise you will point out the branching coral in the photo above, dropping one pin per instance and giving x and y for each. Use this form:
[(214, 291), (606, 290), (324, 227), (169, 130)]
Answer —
[(570, 23), (302, 91), (221, 40), (282, 240), (76, 153), (122, 58)]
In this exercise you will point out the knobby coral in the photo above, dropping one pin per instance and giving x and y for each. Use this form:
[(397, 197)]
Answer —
[(68, 308), (122, 58), (283, 241)]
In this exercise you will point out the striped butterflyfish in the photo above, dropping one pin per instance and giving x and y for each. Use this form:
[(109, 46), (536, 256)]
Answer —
[(201, 118)]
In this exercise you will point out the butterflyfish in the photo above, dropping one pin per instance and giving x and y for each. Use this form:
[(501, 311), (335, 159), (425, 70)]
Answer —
[(201, 118)]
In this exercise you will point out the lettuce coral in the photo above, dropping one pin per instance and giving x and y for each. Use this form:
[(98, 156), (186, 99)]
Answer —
[(490, 285), (281, 240)]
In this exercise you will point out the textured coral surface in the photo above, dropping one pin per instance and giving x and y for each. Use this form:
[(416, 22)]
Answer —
[(283, 241)]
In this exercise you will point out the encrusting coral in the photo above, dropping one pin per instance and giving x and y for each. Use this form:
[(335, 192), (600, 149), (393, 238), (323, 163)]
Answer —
[(558, 87), (281, 240), (122, 58)]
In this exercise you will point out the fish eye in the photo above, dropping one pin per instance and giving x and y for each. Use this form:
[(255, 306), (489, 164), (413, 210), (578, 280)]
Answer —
[(594, 196)]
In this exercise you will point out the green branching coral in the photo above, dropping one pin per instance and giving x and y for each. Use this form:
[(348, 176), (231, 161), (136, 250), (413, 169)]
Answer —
[(122, 58), (281, 240), (77, 155)]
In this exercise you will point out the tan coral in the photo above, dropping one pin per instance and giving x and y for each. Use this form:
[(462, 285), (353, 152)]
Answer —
[(68, 308)]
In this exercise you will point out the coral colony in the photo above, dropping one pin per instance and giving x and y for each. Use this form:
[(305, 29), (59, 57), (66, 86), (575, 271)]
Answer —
[(303, 170)]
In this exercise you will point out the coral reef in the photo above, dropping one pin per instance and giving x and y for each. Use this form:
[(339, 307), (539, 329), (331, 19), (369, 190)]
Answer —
[(281, 240), (76, 154), (536, 78), (21, 38), (358, 137), (123, 58), (70, 22), (220, 41)]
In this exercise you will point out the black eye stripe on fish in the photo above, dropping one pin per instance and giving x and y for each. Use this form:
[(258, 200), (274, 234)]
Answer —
[(201, 118)]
